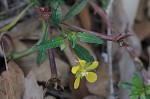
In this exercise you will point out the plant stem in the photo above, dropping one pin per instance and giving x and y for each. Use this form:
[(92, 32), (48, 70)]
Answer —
[(52, 63), (52, 59), (16, 20), (103, 15), (129, 49), (103, 36), (18, 55), (114, 38)]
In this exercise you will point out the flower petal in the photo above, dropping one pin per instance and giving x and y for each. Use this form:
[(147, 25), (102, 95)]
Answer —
[(93, 65), (82, 62), (91, 77), (74, 69), (77, 82)]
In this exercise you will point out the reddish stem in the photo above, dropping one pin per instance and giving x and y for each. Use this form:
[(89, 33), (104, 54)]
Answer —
[(52, 63), (115, 38), (103, 15), (52, 59), (129, 49)]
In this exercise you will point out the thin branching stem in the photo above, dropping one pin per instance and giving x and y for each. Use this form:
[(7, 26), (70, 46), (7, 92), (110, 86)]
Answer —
[(114, 38), (128, 48), (52, 63), (16, 20), (103, 36)]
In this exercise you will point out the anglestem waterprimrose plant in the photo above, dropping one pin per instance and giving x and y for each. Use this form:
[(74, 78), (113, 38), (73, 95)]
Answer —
[(84, 69)]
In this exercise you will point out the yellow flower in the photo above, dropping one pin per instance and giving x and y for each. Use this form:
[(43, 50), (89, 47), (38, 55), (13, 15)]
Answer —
[(84, 69)]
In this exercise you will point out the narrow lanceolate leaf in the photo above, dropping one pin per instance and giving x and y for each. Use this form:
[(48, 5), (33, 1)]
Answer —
[(41, 57), (134, 94), (85, 37), (148, 89), (53, 43), (61, 2), (134, 97), (83, 53), (36, 2), (126, 85), (148, 96), (143, 96), (63, 46), (56, 14), (137, 81), (76, 8), (73, 40)]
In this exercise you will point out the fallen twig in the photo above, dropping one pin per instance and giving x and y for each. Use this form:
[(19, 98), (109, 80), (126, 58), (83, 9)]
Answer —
[(8, 74)]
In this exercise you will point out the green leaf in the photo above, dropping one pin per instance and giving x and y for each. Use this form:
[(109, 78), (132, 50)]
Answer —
[(36, 2), (73, 39), (56, 14), (85, 37), (134, 94), (137, 81), (63, 46), (142, 96), (126, 85), (148, 96), (105, 3), (148, 89), (83, 53), (53, 43), (76, 8), (61, 2), (41, 57), (134, 97)]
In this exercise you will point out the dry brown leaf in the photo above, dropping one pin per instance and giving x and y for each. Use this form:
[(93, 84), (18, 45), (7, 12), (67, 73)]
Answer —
[(71, 20), (140, 11), (85, 18), (142, 29), (82, 91), (28, 29), (32, 90), (26, 63), (3, 95), (100, 86), (17, 81), (148, 8)]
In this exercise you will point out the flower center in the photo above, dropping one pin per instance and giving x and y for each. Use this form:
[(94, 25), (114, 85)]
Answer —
[(84, 73)]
